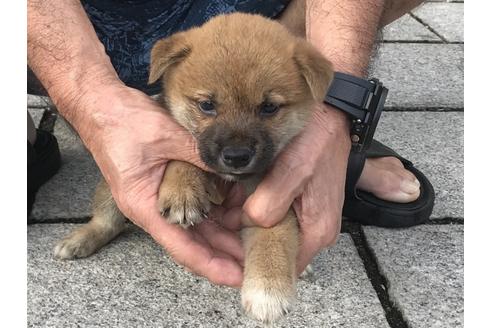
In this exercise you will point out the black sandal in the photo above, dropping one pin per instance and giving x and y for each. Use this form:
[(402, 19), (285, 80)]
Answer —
[(366, 209), (43, 161)]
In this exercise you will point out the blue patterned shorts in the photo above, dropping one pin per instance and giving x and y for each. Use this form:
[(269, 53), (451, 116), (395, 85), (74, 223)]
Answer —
[(129, 28)]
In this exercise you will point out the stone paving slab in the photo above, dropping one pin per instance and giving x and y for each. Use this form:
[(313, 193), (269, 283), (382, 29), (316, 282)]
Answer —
[(421, 75), (132, 283), (36, 114), (433, 141), (445, 18), (407, 28), (424, 269), (38, 101)]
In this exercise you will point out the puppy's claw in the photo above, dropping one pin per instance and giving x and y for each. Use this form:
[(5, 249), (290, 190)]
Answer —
[(307, 273), (185, 209), (165, 212)]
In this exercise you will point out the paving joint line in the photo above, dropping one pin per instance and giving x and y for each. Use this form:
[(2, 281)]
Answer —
[(423, 109), (421, 42), (445, 221), (393, 314), (418, 19), (31, 221), (45, 102)]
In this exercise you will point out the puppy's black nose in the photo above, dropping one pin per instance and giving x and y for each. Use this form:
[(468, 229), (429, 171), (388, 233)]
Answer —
[(237, 157)]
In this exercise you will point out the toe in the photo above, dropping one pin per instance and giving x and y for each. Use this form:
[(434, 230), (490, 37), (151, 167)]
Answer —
[(387, 179)]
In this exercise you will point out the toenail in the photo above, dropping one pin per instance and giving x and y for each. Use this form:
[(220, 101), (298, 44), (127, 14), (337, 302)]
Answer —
[(410, 187)]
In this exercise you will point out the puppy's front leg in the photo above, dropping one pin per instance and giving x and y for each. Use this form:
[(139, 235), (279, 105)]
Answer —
[(183, 195), (107, 222), (269, 286)]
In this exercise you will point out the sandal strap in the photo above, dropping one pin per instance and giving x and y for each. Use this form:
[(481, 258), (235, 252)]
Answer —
[(354, 170), (357, 160), (377, 150)]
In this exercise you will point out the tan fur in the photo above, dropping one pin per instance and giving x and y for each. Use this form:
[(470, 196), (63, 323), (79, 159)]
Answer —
[(106, 224), (269, 286), (238, 61), (183, 197)]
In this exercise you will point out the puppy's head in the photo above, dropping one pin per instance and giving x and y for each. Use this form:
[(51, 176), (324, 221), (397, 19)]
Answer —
[(242, 85)]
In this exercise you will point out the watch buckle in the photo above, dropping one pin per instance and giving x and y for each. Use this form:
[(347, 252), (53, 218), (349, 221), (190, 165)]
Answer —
[(364, 129)]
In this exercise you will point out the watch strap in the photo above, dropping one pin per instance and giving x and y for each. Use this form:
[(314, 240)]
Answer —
[(362, 100)]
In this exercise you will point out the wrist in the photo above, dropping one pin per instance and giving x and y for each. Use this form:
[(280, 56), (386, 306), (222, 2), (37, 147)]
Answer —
[(77, 91), (91, 107), (334, 118), (335, 123)]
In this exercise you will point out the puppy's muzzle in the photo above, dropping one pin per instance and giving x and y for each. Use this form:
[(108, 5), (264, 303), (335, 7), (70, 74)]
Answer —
[(237, 157), (236, 152)]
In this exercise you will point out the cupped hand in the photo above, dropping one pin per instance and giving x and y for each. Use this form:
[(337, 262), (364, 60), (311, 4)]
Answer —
[(132, 138), (308, 175)]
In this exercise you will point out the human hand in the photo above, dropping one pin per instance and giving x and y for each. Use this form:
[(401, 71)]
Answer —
[(308, 175), (132, 138)]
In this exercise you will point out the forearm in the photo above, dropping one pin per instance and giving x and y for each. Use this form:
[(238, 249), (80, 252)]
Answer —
[(344, 31), (67, 57)]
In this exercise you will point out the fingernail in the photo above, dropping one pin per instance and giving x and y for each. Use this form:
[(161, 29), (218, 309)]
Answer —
[(410, 187)]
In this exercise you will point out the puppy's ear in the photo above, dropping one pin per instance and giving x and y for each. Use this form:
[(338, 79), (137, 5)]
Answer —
[(316, 70), (166, 53)]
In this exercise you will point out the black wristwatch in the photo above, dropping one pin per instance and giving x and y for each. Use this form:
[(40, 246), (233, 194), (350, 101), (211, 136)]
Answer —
[(363, 101)]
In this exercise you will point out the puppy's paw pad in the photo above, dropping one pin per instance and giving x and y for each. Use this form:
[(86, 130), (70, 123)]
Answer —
[(73, 247), (267, 304), (186, 208)]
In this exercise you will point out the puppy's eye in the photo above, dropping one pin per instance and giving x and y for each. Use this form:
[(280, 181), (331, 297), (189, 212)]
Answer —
[(208, 107), (268, 108)]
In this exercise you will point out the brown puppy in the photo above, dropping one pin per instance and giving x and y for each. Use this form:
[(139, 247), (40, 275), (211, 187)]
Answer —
[(244, 86)]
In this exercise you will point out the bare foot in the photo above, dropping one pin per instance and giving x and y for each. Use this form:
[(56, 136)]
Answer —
[(387, 179)]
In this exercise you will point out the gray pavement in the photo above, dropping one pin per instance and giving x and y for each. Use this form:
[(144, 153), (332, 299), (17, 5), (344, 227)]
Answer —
[(133, 283), (373, 277), (424, 270)]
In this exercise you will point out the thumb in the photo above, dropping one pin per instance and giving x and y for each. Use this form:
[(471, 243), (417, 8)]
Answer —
[(274, 195)]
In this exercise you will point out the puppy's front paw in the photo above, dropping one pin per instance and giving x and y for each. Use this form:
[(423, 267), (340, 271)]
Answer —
[(267, 301), (185, 206), (76, 245)]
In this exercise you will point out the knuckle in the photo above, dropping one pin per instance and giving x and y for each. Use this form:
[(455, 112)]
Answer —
[(217, 280), (254, 214), (327, 235), (330, 238), (306, 170), (331, 234)]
